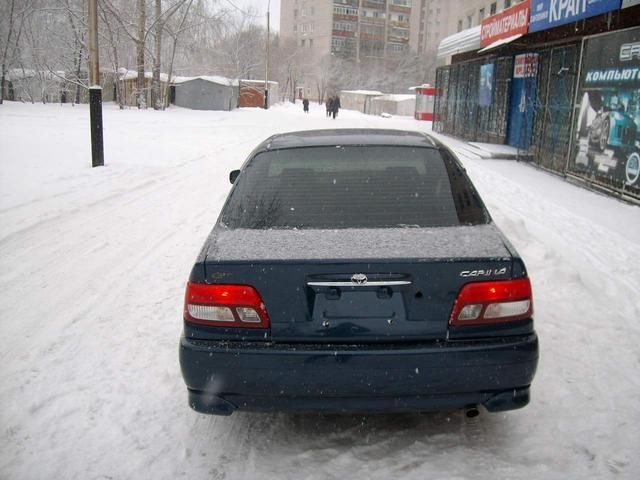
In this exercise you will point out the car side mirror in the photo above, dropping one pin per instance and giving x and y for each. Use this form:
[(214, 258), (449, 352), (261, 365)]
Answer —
[(233, 175)]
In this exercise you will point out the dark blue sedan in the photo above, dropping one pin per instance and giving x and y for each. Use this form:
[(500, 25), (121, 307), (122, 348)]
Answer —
[(356, 271)]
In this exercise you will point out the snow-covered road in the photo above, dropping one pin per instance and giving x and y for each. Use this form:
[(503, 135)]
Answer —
[(92, 270)]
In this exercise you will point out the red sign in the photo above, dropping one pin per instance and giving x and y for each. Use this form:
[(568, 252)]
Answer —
[(507, 23)]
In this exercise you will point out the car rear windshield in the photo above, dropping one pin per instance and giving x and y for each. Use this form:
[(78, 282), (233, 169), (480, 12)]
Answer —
[(352, 187)]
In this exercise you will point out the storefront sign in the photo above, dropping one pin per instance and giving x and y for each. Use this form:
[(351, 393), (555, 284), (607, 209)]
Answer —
[(525, 65), (553, 13), (509, 22), (607, 145)]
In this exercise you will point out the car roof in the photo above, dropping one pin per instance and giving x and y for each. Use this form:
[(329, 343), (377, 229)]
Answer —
[(348, 136)]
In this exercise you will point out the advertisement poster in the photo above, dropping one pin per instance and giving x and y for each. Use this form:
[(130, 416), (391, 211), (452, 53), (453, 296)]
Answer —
[(523, 98), (607, 141), (486, 85), (553, 13)]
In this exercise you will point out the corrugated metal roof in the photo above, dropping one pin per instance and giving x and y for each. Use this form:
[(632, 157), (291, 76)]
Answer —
[(464, 41), (208, 78)]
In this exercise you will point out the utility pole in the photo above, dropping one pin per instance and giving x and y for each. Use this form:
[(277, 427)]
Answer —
[(358, 33), (266, 64), (95, 90)]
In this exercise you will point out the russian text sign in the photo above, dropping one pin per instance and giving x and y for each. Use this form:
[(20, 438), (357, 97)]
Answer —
[(553, 13)]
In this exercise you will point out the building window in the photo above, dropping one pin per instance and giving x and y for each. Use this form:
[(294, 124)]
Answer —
[(507, 3), (311, 43), (481, 14), (295, 13), (345, 11), (399, 33), (337, 42), (295, 28), (396, 47), (303, 42), (469, 21), (459, 25), (372, 29), (344, 26), (493, 8), (307, 27)]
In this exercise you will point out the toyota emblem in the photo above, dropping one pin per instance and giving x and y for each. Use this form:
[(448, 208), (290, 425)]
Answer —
[(359, 279)]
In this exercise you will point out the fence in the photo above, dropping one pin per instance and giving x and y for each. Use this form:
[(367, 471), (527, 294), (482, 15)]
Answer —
[(458, 108)]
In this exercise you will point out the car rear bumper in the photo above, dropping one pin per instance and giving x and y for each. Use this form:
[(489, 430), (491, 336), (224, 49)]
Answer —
[(226, 376)]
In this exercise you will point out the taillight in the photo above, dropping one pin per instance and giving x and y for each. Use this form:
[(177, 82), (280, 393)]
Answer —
[(492, 302), (233, 306)]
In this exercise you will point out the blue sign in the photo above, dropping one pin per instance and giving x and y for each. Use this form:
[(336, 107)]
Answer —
[(553, 13), (522, 105)]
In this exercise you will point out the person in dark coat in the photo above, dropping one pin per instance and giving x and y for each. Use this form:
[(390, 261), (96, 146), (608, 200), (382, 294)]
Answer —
[(305, 105), (335, 106), (329, 106)]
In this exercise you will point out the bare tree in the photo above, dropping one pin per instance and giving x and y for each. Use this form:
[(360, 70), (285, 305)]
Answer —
[(78, 25), (160, 21), (290, 67), (139, 41), (5, 50), (181, 27), (155, 82), (12, 19), (48, 45), (240, 51), (112, 36)]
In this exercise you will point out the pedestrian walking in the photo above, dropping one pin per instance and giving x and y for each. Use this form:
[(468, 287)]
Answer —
[(335, 106), (329, 106), (305, 105)]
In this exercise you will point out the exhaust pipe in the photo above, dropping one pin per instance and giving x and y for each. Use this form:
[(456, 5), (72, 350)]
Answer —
[(471, 411)]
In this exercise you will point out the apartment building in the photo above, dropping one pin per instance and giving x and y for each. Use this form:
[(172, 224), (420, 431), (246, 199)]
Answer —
[(429, 25), (364, 29)]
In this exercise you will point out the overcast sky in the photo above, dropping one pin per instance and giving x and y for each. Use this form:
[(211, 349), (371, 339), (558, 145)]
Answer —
[(260, 7)]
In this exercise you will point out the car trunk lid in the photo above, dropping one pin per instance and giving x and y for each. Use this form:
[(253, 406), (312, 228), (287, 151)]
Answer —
[(357, 285)]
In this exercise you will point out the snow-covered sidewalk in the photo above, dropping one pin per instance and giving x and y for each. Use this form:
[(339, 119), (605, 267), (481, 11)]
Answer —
[(92, 270)]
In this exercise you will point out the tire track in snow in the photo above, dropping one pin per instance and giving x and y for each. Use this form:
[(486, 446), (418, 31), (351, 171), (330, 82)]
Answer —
[(12, 217), (84, 317)]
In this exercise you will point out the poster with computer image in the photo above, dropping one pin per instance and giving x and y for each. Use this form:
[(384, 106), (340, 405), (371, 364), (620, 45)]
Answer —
[(606, 144)]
